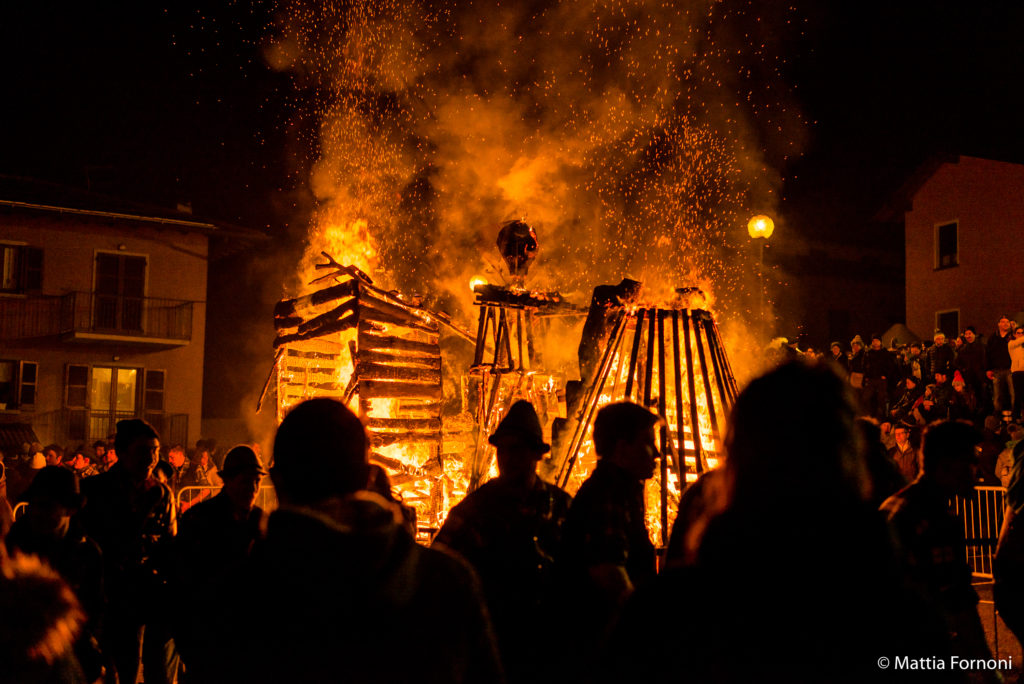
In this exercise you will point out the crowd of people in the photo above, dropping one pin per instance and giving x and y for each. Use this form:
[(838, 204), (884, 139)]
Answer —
[(810, 554), (966, 377)]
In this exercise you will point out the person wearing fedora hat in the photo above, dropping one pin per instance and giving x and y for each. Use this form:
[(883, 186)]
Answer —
[(510, 532)]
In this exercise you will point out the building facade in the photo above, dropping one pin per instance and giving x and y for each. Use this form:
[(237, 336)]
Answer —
[(102, 317), (964, 232)]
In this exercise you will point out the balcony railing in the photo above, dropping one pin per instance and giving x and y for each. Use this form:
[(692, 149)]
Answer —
[(83, 426), (88, 315)]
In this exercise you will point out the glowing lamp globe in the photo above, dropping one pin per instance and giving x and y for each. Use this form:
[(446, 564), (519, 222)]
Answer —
[(760, 226)]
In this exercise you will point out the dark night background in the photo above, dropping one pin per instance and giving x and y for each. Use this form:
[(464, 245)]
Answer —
[(166, 104)]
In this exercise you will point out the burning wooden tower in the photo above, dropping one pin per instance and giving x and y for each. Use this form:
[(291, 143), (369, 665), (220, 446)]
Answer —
[(353, 341), (507, 362), (669, 358)]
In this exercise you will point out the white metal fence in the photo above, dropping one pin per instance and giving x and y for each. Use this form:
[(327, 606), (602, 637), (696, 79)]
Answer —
[(982, 516)]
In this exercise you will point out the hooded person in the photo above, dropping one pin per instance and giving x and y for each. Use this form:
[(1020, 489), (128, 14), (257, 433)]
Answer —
[(340, 581), (510, 531)]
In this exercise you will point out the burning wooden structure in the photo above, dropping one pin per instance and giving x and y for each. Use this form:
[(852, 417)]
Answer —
[(353, 341), (507, 363), (670, 359)]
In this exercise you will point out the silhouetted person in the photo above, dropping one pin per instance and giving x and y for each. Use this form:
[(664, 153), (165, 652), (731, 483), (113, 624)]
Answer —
[(214, 539), (792, 495), (338, 590), (131, 516), (510, 532), (1009, 561), (932, 537), (883, 473), (46, 530), (608, 551)]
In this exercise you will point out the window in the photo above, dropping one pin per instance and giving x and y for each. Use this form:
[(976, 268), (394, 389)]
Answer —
[(17, 384), (76, 387), (947, 253), (113, 389), (119, 292), (22, 269), (948, 322), (154, 391), (27, 375)]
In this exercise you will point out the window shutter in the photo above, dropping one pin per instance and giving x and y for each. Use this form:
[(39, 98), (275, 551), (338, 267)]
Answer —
[(154, 391), (27, 375), (32, 269), (76, 386)]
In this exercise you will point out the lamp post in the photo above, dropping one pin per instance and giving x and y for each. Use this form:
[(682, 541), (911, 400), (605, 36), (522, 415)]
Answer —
[(760, 228)]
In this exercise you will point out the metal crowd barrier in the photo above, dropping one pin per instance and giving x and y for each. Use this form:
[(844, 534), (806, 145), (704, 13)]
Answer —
[(982, 517), (266, 497)]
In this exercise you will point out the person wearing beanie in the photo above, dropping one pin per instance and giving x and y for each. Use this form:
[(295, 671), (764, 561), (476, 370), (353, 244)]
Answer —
[(510, 531), (939, 358)]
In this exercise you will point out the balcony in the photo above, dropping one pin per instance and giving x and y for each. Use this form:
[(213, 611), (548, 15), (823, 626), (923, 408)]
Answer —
[(91, 317), (82, 426)]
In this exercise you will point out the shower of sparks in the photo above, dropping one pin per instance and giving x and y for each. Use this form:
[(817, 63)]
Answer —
[(632, 135)]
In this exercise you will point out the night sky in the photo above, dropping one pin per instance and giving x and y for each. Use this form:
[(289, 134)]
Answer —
[(167, 104)]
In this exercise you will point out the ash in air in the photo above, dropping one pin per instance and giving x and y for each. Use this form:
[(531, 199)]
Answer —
[(626, 133)]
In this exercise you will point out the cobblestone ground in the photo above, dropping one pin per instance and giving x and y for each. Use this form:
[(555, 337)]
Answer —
[(1000, 639)]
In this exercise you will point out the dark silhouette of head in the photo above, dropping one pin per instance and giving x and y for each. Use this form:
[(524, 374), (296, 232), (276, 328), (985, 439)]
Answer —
[(792, 435), (319, 453), (520, 442), (137, 446), (948, 455), (624, 434)]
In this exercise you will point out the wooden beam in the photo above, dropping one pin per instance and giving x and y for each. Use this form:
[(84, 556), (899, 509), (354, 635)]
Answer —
[(378, 371), (377, 389), (404, 423), (368, 356), (389, 342), (289, 307)]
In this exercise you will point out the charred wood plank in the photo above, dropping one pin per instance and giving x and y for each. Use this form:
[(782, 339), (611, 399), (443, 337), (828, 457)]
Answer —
[(377, 371), (287, 322), (383, 439), (404, 423), (384, 307), (336, 326), (389, 342), (289, 307), (348, 308), (312, 370), (367, 356), (298, 353), (378, 389), (404, 320)]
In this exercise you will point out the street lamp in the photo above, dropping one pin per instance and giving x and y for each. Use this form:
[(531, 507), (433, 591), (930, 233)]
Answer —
[(759, 227)]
